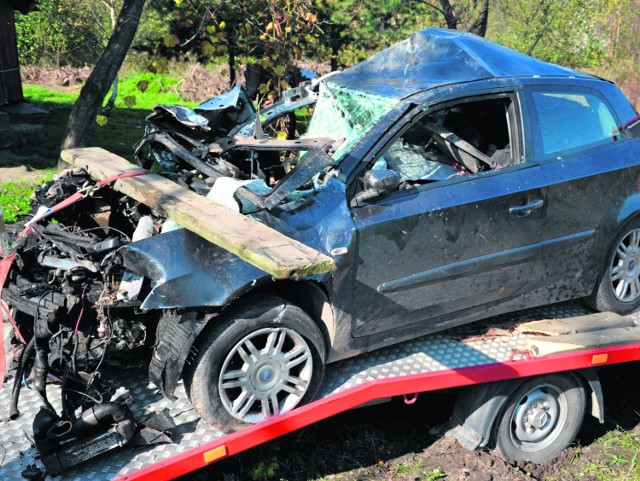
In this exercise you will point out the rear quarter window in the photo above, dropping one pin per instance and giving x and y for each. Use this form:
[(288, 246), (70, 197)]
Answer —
[(569, 122)]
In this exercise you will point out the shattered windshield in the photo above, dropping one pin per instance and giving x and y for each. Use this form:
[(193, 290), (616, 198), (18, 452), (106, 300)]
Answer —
[(345, 113)]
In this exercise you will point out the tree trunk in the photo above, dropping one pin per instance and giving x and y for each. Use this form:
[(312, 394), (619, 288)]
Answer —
[(449, 13), (334, 42), (479, 27), (231, 51), (82, 120)]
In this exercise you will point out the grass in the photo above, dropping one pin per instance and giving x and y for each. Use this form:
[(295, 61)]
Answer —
[(124, 127), (148, 89), (60, 97), (137, 95), (14, 196), (619, 459)]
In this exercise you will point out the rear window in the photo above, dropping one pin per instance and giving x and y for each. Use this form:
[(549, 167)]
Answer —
[(569, 122)]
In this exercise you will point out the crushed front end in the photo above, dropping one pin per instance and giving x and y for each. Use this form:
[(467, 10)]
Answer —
[(75, 311)]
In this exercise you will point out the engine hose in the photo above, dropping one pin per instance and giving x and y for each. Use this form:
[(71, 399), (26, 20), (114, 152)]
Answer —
[(98, 415), (25, 355), (41, 369)]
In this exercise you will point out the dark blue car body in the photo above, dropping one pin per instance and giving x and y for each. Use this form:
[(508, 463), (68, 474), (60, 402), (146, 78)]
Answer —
[(436, 254)]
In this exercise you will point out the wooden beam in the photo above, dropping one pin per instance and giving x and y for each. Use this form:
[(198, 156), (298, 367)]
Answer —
[(252, 241)]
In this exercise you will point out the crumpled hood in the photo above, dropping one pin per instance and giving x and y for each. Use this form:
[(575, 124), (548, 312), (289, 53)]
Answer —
[(189, 271)]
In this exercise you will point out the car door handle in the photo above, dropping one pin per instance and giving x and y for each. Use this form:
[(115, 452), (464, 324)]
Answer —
[(525, 210)]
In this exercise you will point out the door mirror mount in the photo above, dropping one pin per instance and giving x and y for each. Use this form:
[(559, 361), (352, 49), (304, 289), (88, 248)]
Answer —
[(377, 182)]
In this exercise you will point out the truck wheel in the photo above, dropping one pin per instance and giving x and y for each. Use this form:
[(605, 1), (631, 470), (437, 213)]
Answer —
[(619, 287), (262, 360), (541, 418)]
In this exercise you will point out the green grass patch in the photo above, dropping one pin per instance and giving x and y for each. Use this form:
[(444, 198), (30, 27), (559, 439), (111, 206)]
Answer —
[(124, 127), (14, 196), (617, 459), (141, 91), (40, 94), (146, 90)]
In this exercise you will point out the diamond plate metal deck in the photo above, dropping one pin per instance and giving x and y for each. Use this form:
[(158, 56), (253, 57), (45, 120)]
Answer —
[(427, 354)]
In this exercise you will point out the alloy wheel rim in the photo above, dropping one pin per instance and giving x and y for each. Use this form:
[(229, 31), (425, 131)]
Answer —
[(265, 374), (624, 273)]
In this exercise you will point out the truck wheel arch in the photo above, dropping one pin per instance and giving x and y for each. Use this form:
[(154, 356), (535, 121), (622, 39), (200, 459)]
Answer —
[(477, 407)]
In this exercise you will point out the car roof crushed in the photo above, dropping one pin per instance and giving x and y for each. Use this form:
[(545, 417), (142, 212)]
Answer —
[(434, 57)]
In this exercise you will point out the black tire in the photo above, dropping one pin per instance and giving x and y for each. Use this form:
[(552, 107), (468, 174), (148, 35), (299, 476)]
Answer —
[(541, 418), (238, 347), (610, 294)]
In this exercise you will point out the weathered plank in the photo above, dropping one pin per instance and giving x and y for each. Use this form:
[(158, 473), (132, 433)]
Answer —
[(572, 325), (544, 345), (256, 243)]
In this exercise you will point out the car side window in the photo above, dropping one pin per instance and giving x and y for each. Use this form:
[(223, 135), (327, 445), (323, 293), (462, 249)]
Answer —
[(457, 140), (569, 122)]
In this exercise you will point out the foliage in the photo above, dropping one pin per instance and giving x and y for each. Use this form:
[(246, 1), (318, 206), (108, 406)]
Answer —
[(264, 471), (278, 33), (353, 29), (274, 36), (567, 32), (74, 32), (623, 20), (59, 33)]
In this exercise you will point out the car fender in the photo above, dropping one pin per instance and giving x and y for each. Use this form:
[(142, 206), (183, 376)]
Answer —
[(630, 208), (188, 271)]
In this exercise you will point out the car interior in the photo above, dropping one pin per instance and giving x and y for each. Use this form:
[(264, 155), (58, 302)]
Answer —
[(456, 140)]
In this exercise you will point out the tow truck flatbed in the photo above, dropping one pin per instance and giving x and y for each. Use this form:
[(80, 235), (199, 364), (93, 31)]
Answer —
[(503, 348)]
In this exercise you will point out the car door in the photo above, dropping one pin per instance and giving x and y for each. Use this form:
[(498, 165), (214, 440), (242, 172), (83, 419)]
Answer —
[(586, 169), (434, 252)]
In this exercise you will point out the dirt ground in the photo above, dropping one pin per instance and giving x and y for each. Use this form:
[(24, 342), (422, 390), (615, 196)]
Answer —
[(14, 167)]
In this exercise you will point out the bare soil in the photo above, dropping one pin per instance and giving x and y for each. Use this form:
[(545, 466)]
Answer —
[(15, 167), (55, 77)]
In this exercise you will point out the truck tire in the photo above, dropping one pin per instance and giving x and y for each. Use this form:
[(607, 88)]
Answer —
[(262, 359), (541, 418), (619, 287)]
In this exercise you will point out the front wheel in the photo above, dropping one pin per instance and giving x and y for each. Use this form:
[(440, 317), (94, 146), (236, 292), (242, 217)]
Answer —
[(261, 361), (541, 418), (619, 286)]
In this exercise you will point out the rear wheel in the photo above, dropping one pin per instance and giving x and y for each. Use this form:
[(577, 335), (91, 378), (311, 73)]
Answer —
[(619, 287), (261, 361), (541, 418)]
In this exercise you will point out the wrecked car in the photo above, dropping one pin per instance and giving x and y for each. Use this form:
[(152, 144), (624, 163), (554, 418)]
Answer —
[(177, 138), (455, 180)]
